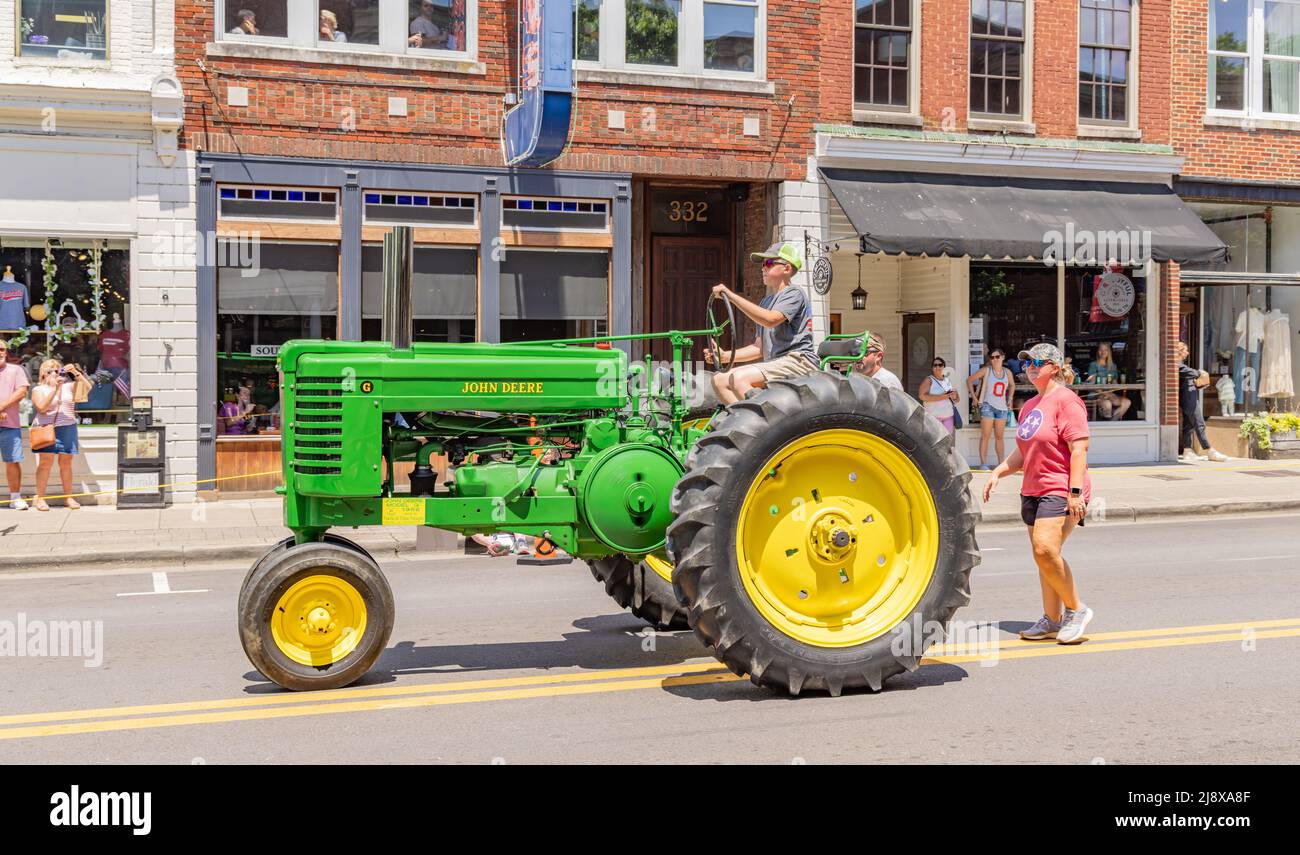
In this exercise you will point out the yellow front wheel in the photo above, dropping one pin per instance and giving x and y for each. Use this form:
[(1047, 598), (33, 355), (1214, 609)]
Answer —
[(315, 615), (824, 534)]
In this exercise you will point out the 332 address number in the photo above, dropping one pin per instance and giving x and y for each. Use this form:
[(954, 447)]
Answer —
[(688, 211)]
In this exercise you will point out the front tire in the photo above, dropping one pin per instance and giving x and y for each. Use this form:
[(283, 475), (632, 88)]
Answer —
[(315, 616), (824, 534)]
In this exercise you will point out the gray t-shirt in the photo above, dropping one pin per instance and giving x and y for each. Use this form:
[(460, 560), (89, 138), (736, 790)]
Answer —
[(794, 334)]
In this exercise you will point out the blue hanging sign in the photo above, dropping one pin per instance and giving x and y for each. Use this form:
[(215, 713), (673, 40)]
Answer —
[(536, 131)]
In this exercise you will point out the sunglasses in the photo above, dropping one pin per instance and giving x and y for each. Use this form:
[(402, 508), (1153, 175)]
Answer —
[(1039, 363), (997, 356), (771, 262), (939, 365)]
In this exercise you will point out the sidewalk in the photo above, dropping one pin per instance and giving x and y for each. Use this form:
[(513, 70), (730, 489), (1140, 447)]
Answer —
[(241, 530)]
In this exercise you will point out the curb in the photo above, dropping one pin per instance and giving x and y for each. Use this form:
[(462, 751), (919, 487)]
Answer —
[(186, 555)]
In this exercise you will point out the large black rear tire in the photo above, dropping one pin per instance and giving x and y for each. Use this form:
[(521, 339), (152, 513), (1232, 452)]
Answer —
[(745, 624), (635, 586)]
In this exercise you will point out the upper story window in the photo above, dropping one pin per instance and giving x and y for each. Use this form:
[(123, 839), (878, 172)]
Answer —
[(417, 27), (882, 53), (66, 29), (722, 37), (997, 54), (1254, 57), (1105, 60)]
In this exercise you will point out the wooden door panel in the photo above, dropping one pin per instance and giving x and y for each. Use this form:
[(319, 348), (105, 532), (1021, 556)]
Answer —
[(683, 272)]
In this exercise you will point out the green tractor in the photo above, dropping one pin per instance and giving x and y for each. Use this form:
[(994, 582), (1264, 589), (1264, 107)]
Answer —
[(806, 534)]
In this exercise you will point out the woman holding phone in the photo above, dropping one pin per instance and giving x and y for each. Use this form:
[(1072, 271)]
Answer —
[(1052, 450), (55, 398)]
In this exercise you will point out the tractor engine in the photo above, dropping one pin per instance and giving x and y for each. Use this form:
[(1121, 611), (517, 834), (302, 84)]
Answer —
[(542, 439)]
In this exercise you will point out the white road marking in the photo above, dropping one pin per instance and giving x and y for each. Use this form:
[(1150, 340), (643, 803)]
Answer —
[(162, 586)]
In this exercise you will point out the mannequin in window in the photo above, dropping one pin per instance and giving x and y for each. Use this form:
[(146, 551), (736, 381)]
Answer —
[(14, 302), (1250, 336), (115, 355), (1275, 370)]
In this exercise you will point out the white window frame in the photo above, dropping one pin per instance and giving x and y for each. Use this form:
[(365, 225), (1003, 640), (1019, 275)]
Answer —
[(1254, 57), (690, 42), (1025, 116), (303, 31), (1134, 61), (913, 69)]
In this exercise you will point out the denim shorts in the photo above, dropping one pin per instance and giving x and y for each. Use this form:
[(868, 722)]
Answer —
[(11, 444), (65, 441), (988, 411)]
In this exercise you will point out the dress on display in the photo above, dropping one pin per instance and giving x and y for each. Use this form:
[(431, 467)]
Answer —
[(1275, 372)]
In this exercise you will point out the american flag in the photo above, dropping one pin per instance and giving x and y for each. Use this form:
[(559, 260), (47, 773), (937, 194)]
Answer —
[(122, 383)]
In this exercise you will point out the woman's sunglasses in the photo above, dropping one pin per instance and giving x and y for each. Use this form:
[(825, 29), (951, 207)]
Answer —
[(1039, 363)]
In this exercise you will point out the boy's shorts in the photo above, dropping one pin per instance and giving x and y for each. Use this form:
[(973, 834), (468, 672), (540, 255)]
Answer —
[(785, 367)]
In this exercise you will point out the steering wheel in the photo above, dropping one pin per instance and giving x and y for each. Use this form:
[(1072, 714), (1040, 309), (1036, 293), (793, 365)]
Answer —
[(730, 333)]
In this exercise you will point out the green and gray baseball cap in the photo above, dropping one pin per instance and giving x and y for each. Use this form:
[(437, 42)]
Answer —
[(783, 251), (1044, 351)]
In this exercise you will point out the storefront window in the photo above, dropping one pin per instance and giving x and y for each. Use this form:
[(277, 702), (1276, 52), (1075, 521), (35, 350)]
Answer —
[(292, 293), (1012, 307), (1105, 340), (68, 29), (444, 293), (98, 341), (548, 294)]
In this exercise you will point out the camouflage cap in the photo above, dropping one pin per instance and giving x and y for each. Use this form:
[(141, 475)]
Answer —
[(1044, 351)]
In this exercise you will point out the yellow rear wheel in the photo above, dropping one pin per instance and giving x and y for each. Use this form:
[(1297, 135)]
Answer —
[(823, 534), (837, 538)]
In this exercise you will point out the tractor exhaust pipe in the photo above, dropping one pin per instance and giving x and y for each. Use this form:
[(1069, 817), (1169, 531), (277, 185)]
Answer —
[(399, 263)]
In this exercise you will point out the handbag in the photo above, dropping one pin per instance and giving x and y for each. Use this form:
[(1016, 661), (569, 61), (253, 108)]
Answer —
[(42, 436)]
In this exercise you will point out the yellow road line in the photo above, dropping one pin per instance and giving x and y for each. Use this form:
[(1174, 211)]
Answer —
[(427, 695), (284, 697), (361, 706), (1016, 642), (1030, 651)]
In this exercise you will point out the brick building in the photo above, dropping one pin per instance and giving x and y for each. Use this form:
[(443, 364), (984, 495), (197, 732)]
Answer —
[(968, 141), (95, 185), (687, 127)]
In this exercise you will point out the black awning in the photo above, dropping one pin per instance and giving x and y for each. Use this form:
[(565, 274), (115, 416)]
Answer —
[(984, 216)]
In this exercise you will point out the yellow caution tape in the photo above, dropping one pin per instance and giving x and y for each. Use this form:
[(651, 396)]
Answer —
[(160, 486)]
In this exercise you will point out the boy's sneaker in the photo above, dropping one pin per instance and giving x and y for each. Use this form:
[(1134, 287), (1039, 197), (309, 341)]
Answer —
[(18, 504), (1073, 625), (1042, 629)]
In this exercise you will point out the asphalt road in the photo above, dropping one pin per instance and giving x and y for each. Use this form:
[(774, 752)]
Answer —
[(1192, 658)]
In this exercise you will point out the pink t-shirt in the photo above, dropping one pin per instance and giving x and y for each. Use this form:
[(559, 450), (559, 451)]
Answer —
[(1047, 427), (12, 378), (66, 412)]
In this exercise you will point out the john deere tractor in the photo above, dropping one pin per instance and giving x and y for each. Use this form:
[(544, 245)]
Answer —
[(807, 534)]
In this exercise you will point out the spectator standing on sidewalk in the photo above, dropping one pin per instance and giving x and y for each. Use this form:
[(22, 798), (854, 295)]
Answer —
[(1052, 449), (13, 389), (997, 389), (1190, 383), (55, 399), (937, 394)]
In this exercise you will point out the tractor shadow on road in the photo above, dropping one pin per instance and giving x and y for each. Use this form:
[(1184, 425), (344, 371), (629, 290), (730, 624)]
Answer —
[(927, 676), (602, 642)]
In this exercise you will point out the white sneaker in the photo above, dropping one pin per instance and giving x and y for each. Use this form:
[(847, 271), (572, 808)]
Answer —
[(1073, 625), (1218, 456), (1189, 456), (18, 504)]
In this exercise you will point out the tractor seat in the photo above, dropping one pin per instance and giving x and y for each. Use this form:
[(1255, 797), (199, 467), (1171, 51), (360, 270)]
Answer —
[(843, 347)]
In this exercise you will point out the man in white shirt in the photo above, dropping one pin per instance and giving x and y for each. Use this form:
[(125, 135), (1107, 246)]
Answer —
[(873, 364)]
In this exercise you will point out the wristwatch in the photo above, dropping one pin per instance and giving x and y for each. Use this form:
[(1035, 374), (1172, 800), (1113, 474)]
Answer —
[(1076, 491)]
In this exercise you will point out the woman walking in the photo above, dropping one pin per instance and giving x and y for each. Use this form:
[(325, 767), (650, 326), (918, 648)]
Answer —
[(997, 388), (938, 396), (1052, 450), (1190, 383), (55, 400)]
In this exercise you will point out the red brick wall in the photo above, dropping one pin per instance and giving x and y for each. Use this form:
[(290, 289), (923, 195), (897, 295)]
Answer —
[(945, 62), (1170, 299), (1217, 152), (298, 109)]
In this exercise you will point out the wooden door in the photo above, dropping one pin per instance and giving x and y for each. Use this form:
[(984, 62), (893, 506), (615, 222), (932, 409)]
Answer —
[(683, 271), (918, 350)]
